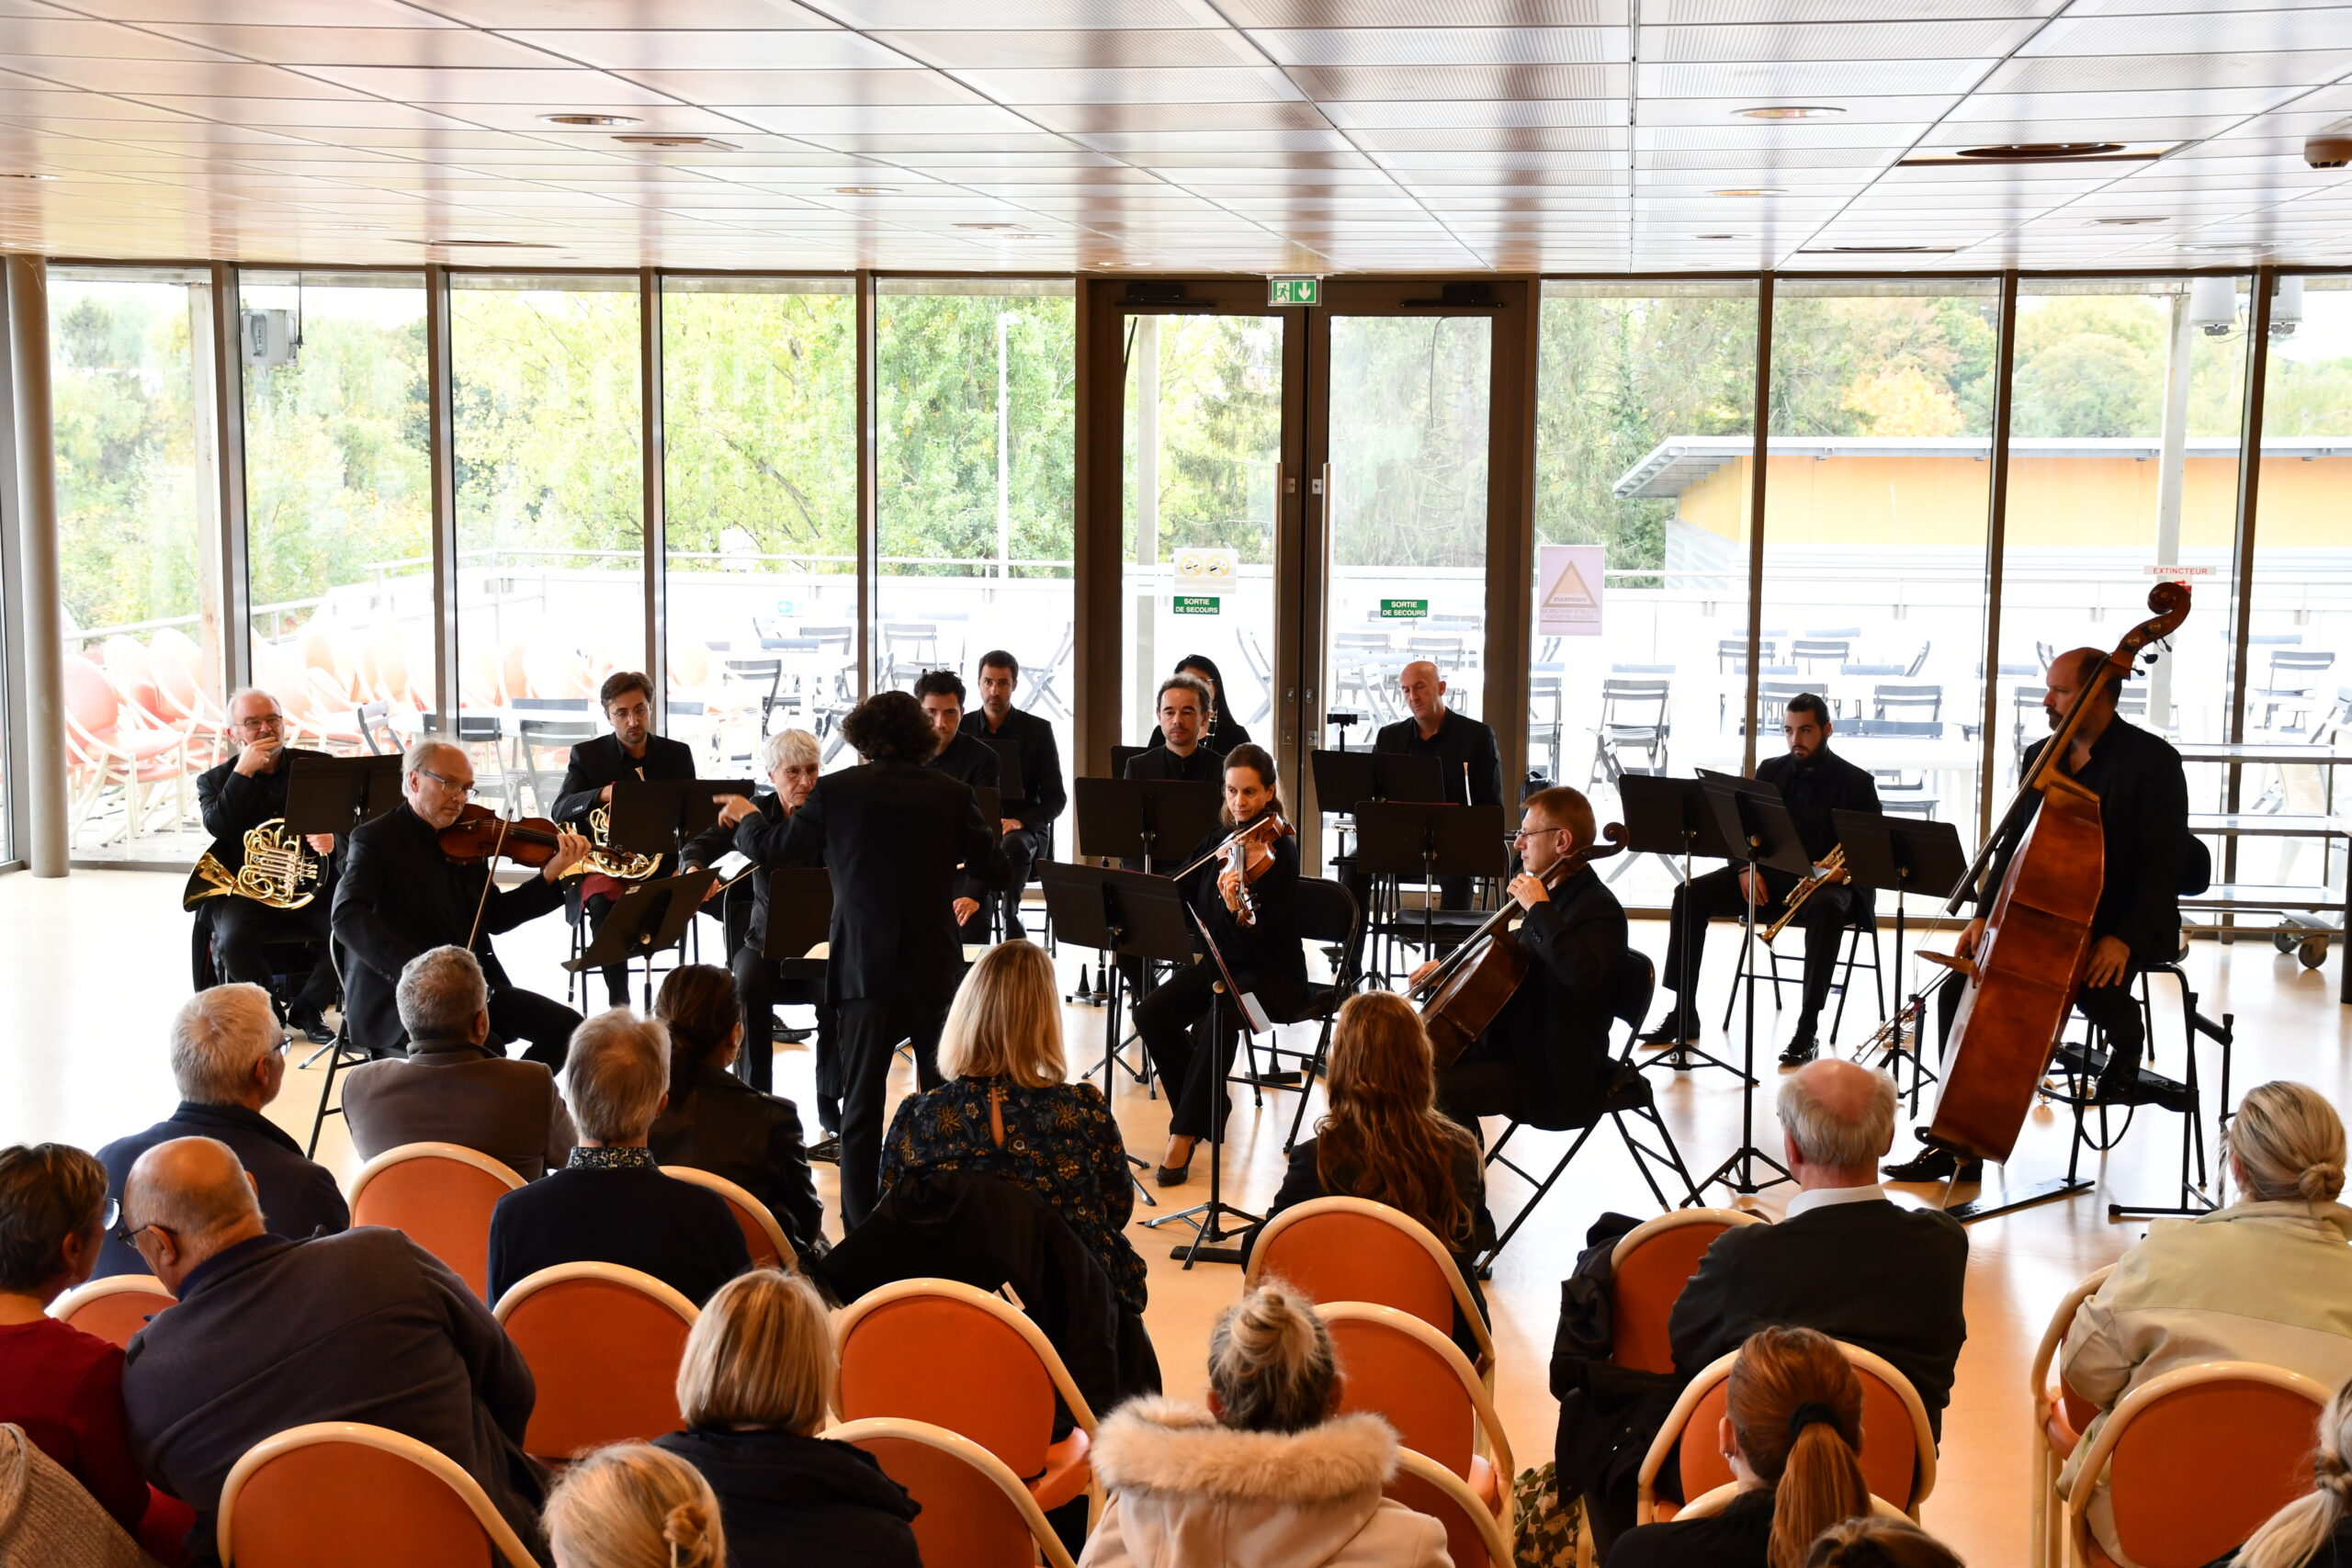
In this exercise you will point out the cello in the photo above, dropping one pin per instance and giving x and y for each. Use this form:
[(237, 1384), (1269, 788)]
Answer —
[(2021, 982)]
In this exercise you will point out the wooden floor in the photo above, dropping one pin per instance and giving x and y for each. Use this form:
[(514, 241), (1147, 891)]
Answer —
[(98, 962)]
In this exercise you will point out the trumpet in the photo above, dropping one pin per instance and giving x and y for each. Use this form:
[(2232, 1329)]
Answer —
[(1897, 1037), (1831, 863), (617, 864)]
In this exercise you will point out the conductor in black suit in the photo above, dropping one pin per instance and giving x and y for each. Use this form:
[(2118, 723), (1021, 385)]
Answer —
[(895, 833), (1815, 781), (399, 897), (1026, 821), (631, 751), (235, 797), (968, 761)]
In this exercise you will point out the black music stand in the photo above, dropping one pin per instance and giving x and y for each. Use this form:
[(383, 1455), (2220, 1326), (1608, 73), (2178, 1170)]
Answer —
[(1671, 818), (1756, 824), (1345, 780), (1203, 1217), (1151, 821), (1429, 840), (653, 817), (1341, 721), (335, 794), (647, 918), (1902, 854)]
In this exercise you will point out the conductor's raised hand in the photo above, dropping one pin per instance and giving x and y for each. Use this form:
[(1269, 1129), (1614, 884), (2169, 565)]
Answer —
[(732, 808), (570, 848)]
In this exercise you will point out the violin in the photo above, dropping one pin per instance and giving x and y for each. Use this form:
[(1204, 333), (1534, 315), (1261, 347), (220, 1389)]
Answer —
[(1247, 855), (480, 834)]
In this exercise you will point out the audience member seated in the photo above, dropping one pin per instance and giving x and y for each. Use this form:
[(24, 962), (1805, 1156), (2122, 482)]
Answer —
[(754, 1385), (2267, 1279), (48, 1522), (1791, 1427), (1005, 1111), (631, 1506), (716, 1122), (610, 1203), (61, 1386), (1844, 1260), (1267, 1473), (1384, 1138), (270, 1333), (1872, 1542), (453, 1086), (2315, 1530)]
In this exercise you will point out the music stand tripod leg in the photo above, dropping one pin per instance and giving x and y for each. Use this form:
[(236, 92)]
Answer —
[(1203, 1217), (1738, 1172)]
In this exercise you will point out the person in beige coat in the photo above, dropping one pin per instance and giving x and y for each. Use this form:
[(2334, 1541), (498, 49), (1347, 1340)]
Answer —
[(2267, 1279), (1268, 1476)]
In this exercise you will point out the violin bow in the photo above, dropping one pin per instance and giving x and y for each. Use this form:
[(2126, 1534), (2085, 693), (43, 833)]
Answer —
[(489, 875)]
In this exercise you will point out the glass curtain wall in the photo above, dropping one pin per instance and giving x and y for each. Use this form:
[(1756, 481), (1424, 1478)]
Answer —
[(133, 372), (1646, 408), (551, 548), (339, 501), (760, 483), (976, 464)]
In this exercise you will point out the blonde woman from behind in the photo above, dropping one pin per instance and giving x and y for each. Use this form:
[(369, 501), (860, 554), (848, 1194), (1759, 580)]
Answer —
[(631, 1506)]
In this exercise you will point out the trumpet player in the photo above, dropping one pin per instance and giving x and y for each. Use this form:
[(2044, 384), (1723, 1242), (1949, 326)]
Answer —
[(631, 751), (1813, 781), (235, 797)]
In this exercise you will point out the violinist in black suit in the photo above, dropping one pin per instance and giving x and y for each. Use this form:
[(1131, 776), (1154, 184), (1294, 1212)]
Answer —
[(400, 895), (631, 751), (968, 761), (236, 797), (896, 834), (1027, 819)]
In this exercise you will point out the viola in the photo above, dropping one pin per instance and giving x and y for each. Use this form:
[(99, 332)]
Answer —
[(1250, 851), (480, 834)]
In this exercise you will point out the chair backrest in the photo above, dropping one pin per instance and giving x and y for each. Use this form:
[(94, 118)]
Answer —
[(1474, 1537), (1394, 1365), (2197, 1458), (1649, 1268), (1898, 1451), (359, 1496), (769, 1247), (603, 1343), (113, 1308), (91, 700), (976, 1512), (2078, 1410), (1327, 912), (1636, 982), (893, 1341), (440, 1196), (1351, 1249)]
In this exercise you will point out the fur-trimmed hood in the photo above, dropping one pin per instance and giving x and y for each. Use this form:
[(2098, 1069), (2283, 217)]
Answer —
[(1190, 1493)]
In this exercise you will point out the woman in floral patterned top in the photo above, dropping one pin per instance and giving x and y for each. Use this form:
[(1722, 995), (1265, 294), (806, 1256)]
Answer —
[(1005, 1111)]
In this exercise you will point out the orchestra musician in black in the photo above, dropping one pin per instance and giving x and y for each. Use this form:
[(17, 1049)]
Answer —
[(631, 751), (1220, 730), (1470, 766), (1026, 821), (236, 797), (1179, 749), (968, 762), (400, 895)]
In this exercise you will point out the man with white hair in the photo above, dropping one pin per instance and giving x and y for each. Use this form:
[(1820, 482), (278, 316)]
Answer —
[(271, 1333), (228, 1062), (401, 896)]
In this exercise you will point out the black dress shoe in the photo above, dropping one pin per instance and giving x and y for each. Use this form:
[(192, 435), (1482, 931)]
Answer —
[(1937, 1164), (827, 1148), (1800, 1051), (312, 1027), (1677, 1028)]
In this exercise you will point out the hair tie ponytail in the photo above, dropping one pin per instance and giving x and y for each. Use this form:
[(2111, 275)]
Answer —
[(1811, 1413)]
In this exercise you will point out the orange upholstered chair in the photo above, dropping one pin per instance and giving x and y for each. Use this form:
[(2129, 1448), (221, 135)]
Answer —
[(1649, 1268), (976, 1513), (893, 1343), (2195, 1461), (770, 1248), (1394, 1365), (1351, 1249), (113, 1308), (359, 1496), (441, 1195), (603, 1343), (2059, 1417), (1474, 1537), (1898, 1451)]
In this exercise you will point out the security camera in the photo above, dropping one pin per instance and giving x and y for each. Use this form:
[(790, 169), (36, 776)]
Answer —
[(2329, 150)]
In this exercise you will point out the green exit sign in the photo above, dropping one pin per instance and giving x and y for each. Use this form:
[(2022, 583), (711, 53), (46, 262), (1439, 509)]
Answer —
[(1404, 609), (1294, 291), (1197, 604)]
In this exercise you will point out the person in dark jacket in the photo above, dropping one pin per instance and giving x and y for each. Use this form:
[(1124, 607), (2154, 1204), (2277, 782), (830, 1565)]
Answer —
[(611, 1204), (1221, 730), (716, 1122), (270, 1333), (228, 1062), (1027, 819), (1470, 768), (966, 761), (1180, 747), (754, 1386)]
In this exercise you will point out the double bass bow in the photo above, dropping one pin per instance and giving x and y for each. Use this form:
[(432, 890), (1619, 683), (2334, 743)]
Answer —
[(1471, 985), (2021, 981)]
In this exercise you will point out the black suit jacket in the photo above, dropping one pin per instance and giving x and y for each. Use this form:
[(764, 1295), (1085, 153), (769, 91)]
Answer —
[(1873, 1274), (1043, 794), (1203, 766), (1827, 784), (968, 761), (399, 897), (1461, 743), (705, 848), (893, 835), (232, 804), (1554, 1030), (595, 764), (297, 1197), (2143, 821), (723, 1125), (683, 1235)]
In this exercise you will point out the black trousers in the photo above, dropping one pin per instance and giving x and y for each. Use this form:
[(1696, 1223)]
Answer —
[(2114, 1010), (1716, 896), (595, 910), (761, 987), (871, 1028), (1475, 1085), (517, 1014), (1175, 1021), (242, 930), (1023, 848)]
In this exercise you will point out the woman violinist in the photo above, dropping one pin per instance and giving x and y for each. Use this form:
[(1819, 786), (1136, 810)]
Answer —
[(1246, 896)]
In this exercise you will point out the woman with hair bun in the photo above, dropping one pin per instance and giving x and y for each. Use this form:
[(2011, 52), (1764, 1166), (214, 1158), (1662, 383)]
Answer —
[(2315, 1530), (1791, 1427), (631, 1506), (2268, 1279)]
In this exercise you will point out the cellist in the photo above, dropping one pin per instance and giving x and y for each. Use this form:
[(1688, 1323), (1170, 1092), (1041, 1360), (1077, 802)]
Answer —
[(1546, 1057), (2143, 825)]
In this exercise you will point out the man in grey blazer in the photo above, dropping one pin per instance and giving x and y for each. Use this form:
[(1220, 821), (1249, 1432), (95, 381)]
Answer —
[(452, 1087)]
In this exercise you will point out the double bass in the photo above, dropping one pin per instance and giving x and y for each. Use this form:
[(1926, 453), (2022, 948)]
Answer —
[(2021, 982)]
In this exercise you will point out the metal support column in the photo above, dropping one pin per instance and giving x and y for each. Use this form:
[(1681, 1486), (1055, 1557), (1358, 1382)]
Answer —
[(39, 585), (652, 450), (1996, 535), (1757, 485), (442, 439), (229, 468)]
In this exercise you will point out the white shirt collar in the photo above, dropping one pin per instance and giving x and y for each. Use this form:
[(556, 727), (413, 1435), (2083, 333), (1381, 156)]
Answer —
[(1822, 1197)]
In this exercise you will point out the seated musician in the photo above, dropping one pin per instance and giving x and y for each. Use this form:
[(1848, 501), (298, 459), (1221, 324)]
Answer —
[(631, 751), (1028, 819), (1468, 763), (968, 761), (1220, 730), (235, 797), (2143, 824), (1815, 781), (1255, 925), (1546, 1056), (1177, 751), (400, 895)]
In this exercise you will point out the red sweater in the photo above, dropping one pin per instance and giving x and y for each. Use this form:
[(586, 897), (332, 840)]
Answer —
[(64, 1388)]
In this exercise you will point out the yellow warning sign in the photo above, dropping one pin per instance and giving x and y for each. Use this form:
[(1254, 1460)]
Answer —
[(1569, 580)]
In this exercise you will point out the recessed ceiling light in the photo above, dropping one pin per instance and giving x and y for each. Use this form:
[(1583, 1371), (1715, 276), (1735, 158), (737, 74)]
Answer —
[(1788, 111), (2235, 247), (985, 225), (1877, 249), (660, 138), (1751, 190), (485, 244), (2007, 151), (590, 121), (28, 176), (1719, 236), (863, 190), (2121, 223)]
